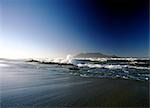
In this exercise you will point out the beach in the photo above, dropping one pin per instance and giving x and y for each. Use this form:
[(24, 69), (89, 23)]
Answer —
[(32, 85)]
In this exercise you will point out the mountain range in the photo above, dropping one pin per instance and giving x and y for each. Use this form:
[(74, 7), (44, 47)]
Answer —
[(94, 55)]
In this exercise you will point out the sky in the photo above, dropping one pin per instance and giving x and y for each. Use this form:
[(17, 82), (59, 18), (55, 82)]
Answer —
[(55, 28)]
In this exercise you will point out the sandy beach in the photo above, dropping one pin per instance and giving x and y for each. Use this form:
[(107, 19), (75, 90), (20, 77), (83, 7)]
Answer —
[(34, 85)]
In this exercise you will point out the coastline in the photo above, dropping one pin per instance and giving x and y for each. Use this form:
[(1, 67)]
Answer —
[(30, 85)]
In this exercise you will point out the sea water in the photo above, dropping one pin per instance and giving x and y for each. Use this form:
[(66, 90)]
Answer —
[(26, 84)]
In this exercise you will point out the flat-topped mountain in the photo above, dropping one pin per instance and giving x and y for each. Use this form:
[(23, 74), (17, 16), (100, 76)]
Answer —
[(93, 55)]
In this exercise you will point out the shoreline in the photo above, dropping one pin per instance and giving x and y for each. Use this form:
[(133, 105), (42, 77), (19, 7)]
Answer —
[(89, 92)]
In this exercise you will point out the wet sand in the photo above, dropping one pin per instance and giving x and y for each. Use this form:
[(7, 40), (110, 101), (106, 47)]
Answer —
[(79, 92)]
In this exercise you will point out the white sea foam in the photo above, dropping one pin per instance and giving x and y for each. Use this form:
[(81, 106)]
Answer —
[(135, 67), (101, 66), (90, 65), (111, 66), (68, 59), (115, 66), (4, 65), (93, 59), (105, 59)]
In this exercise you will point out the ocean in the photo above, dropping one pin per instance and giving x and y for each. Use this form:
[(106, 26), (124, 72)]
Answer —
[(122, 82)]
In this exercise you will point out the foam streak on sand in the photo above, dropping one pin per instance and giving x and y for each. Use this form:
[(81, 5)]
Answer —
[(4, 65)]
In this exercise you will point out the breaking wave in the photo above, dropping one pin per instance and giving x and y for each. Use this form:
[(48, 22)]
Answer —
[(125, 68), (111, 66)]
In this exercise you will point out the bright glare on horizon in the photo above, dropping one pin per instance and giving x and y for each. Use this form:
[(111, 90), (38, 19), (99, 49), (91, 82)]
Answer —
[(49, 29)]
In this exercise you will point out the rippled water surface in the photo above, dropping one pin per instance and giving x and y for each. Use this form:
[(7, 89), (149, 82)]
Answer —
[(25, 84)]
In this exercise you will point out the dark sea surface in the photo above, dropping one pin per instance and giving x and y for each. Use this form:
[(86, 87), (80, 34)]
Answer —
[(32, 85)]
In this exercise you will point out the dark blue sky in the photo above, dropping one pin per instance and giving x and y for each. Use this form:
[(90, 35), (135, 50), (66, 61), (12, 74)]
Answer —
[(54, 28)]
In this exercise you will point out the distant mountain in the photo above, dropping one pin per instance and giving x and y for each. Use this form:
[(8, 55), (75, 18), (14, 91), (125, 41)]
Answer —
[(94, 55)]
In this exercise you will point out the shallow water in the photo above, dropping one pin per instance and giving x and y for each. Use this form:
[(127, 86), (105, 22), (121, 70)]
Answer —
[(26, 84)]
